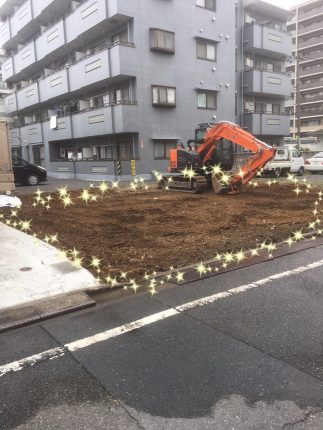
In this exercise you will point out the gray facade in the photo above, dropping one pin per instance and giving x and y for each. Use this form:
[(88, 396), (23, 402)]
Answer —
[(262, 82), (104, 82), (307, 30), (92, 73)]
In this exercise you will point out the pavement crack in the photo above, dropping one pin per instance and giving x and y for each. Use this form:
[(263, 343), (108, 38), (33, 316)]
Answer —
[(92, 376), (309, 414)]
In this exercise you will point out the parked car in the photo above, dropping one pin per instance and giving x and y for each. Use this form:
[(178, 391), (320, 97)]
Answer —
[(315, 164), (287, 160), (26, 173)]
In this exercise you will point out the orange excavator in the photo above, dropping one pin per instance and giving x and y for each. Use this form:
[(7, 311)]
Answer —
[(210, 162)]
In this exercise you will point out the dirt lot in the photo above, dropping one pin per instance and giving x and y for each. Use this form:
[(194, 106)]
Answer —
[(152, 230)]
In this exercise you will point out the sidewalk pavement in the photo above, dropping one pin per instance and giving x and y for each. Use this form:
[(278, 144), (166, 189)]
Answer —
[(31, 270)]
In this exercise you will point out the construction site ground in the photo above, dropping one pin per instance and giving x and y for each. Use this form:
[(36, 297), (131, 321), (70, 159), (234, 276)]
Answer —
[(146, 231)]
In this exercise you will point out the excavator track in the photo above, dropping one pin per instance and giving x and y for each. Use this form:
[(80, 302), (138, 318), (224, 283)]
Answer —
[(196, 185)]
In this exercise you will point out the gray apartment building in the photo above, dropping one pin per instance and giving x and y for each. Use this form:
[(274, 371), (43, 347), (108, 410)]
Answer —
[(98, 83), (263, 46), (307, 29)]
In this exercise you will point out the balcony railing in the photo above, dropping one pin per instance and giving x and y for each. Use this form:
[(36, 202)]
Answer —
[(272, 27), (309, 85), (313, 13), (318, 112), (263, 69), (311, 71), (248, 111), (93, 51), (313, 27), (15, 124), (316, 98), (312, 42)]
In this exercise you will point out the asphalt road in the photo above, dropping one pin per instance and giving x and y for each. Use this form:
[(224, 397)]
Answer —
[(250, 358)]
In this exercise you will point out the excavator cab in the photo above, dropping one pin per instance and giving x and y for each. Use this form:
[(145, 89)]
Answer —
[(224, 152)]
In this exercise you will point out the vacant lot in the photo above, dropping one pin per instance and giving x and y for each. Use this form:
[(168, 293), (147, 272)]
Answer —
[(152, 230)]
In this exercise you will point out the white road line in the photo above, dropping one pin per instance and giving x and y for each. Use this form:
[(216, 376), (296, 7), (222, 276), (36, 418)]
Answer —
[(126, 328)]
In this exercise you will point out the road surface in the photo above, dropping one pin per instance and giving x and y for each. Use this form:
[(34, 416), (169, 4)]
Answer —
[(242, 350)]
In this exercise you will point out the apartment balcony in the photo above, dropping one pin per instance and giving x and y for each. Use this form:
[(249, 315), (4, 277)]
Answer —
[(63, 130), (315, 99), (14, 137), (265, 40), (316, 26), (317, 113), (302, 15), (266, 83), (122, 117), (311, 72), (11, 103), (266, 124), (27, 18), (31, 134), (309, 85), (289, 103), (53, 85), (89, 17), (305, 44), (28, 96), (104, 63)]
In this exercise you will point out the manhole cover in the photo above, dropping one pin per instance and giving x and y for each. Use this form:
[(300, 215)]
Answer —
[(25, 269)]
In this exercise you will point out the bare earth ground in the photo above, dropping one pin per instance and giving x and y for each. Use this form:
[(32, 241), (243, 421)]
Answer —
[(153, 230)]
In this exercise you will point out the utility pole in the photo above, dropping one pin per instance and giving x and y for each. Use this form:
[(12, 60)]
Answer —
[(298, 105)]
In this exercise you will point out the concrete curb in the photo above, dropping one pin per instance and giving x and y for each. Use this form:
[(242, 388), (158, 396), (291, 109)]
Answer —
[(40, 310)]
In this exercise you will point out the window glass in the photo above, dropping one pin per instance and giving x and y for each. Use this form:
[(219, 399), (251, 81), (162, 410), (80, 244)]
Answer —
[(201, 50), (159, 150), (206, 50), (171, 95), (155, 95), (201, 100), (210, 54), (295, 153), (160, 39), (162, 95), (210, 4), (211, 100), (169, 41)]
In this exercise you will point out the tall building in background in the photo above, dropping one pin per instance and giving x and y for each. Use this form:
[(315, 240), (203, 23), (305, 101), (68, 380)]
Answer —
[(98, 83), (307, 70), (263, 46)]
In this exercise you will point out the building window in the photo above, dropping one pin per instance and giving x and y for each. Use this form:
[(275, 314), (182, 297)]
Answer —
[(162, 40), (125, 151), (121, 95), (164, 96), (162, 149), (206, 50), (207, 4), (206, 99)]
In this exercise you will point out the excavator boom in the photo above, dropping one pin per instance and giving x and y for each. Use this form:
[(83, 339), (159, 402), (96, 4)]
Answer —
[(263, 153)]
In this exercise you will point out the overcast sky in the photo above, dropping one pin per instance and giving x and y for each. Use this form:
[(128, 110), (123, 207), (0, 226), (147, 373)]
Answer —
[(285, 3)]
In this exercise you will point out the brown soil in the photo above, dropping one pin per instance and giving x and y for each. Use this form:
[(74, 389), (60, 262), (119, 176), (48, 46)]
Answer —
[(153, 230)]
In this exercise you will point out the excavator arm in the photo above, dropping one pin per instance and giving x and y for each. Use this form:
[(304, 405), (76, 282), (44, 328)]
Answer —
[(263, 153)]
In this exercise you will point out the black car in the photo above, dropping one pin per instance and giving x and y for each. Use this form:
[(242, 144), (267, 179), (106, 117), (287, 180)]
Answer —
[(26, 173)]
